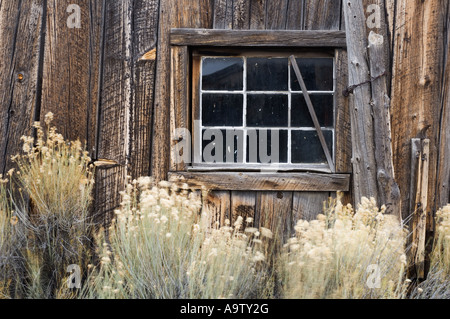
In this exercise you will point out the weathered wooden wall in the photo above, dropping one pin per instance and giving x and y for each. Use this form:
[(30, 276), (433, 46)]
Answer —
[(95, 80)]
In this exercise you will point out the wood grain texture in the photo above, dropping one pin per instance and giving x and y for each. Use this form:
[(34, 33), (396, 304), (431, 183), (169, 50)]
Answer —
[(116, 102), (364, 164), (295, 15), (216, 206), (322, 14), (263, 181), (258, 14), (223, 14), (241, 16), (70, 85), (22, 26), (145, 33), (416, 150), (419, 222), (307, 205), (260, 38), (274, 211), (388, 189), (108, 182), (443, 174), (243, 204), (173, 14), (343, 125), (384, 29), (116, 95), (179, 104), (276, 14), (417, 88), (160, 129)]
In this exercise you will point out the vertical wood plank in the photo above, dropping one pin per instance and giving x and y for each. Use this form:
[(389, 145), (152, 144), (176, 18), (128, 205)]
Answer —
[(307, 205), (258, 14), (223, 14), (71, 70), (295, 15), (274, 211), (173, 14), (217, 206), (116, 98), (179, 103), (443, 174), (116, 83), (161, 143), (364, 164), (417, 87), (343, 127), (416, 150), (243, 204), (419, 228), (322, 14), (108, 183), (388, 190), (276, 14), (22, 26), (384, 29), (145, 29), (241, 14)]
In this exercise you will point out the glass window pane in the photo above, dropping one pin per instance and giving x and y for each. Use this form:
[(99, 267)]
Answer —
[(222, 146), (323, 106), (269, 110), (306, 147), (316, 72), (267, 74), (267, 146), (222, 109), (223, 74)]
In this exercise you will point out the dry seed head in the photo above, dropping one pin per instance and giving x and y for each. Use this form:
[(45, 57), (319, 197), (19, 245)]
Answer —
[(48, 118), (265, 232)]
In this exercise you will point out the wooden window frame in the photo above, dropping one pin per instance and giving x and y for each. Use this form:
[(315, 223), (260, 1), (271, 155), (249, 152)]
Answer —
[(198, 54), (184, 42)]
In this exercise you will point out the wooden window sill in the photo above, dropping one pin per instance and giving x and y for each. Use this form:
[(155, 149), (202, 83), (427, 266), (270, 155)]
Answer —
[(263, 181)]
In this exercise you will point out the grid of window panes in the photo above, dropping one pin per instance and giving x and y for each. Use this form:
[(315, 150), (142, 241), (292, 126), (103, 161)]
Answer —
[(244, 95)]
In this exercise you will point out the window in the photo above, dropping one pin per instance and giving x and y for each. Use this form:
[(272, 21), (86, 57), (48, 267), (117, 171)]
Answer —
[(251, 112), (240, 84)]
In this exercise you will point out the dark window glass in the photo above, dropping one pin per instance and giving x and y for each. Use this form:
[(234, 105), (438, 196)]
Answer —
[(323, 106), (306, 147), (267, 74), (224, 74), (262, 146), (316, 72), (222, 109), (228, 142), (269, 110)]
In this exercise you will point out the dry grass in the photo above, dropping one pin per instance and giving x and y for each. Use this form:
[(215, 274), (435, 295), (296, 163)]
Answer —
[(437, 284), (162, 247), (331, 257), (55, 177)]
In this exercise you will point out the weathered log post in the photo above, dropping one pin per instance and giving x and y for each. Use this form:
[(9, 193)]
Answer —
[(388, 190), (372, 149)]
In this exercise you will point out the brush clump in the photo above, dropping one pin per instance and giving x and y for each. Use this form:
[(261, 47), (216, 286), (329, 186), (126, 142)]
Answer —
[(51, 195), (162, 246), (437, 283), (345, 254)]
